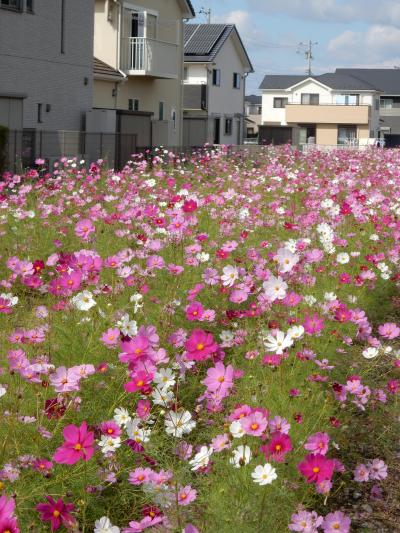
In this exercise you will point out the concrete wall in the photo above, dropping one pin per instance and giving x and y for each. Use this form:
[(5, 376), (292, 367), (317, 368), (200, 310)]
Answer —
[(148, 90), (31, 62)]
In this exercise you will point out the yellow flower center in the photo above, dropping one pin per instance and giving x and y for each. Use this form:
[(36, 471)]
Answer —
[(78, 447), (140, 383), (56, 513), (315, 469), (254, 426), (200, 346)]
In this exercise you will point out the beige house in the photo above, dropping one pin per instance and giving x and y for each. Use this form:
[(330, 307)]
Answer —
[(138, 71), (329, 110)]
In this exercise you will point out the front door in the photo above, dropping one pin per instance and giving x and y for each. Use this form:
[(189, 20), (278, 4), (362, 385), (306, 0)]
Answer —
[(306, 133), (217, 130)]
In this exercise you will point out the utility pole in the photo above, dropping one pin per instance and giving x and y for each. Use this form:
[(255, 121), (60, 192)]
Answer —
[(307, 49), (207, 12)]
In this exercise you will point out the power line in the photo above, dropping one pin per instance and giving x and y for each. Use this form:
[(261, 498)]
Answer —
[(307, 50)]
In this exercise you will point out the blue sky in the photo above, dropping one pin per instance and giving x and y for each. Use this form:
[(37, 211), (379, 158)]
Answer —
[(352, 33)]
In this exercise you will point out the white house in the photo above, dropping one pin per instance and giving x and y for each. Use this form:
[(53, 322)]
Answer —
[(330, 109), (216, 67)]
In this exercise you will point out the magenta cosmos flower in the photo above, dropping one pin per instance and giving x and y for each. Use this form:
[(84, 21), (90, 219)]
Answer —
[(279, 445), (200, 345), (7, 506), (78, 444), (316, 468), (56, 512), (194, 311)]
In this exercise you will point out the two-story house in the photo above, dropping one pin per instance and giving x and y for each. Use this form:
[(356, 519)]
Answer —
[(253, 112), (388, 81), (46, 55), (330, 109), (216, 67), (138, 70)]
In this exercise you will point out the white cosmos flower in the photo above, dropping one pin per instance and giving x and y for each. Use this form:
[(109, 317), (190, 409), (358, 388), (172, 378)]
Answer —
[(342, 258), (109, 444), (330, 296), (83, 301), (162, 397), (202, 458), (121, 416), (286, 259), (370, 353), (264, 475), (179, 423), (8, 296), (3, 390), (236, 429), (229, 276), (136, 432), (165, 377), (127, 326), (103, 525), (275, 288), (310, 299), (241, 456), (203, 257), (278, 343), (296, 332), (226, 336)]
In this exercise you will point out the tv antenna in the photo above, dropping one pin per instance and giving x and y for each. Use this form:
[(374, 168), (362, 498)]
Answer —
[(307, 49), (206, 12)]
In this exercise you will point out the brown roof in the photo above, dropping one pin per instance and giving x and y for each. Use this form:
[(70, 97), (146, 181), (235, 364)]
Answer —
[(101, 69)]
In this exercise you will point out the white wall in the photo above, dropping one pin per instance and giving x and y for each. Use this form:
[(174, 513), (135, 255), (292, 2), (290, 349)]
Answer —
[(197, 74)]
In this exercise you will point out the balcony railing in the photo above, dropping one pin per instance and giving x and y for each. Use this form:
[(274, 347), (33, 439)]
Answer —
[(327, 114), (148, 57)]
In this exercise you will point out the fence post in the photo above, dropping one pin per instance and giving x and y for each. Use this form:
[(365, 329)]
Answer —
[(40, 143), (101, 146)]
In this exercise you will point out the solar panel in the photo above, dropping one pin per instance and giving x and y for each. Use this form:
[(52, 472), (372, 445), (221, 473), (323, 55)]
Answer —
[(203, 39)]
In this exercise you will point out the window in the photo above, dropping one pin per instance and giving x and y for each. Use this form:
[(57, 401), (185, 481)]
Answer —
[(236, 80), (347, 135), (133, 104), (280, 102), (16, 5), (309, 99), (387, 103), (347, 99), (151, 26), (216, 77), (376, 104), (372, 134), (39, 113), (173, 117), (161, 111), (62, 32), (186, 73), (29, 6), (228, 126)]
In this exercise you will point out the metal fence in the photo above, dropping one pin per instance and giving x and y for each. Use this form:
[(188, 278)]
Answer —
[(25, 146)]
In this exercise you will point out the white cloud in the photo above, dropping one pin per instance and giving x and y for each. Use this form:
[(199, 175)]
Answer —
[(378, 44)]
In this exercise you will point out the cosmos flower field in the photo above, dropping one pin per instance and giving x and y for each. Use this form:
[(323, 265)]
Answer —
[(198, 344)]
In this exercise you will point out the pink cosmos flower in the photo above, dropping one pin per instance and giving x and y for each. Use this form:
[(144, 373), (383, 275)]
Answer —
[(279, 445), (361, 473), (7, 507), (56, 512), (336, 522), (219, 377), (316, 468), (279, 424), (78, 444), (313, 325), (84, 228), (389, 330), (318, 443), (64, 380), (134, 349), (186, 495), (254, 424), (221, 442), (111, 337), (140, 476), (200, 345), (143, 408), (145, 523), (305, 522), (5, 306), (9, 525), (377, 469), (42, 465)]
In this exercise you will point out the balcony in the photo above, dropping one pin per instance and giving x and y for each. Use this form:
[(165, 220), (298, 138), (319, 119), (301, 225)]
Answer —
[(195, 97), (148, 57), (327, 114)]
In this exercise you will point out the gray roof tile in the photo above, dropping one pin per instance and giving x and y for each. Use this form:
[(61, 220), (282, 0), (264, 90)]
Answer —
[(384, 79), (335, 80)]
